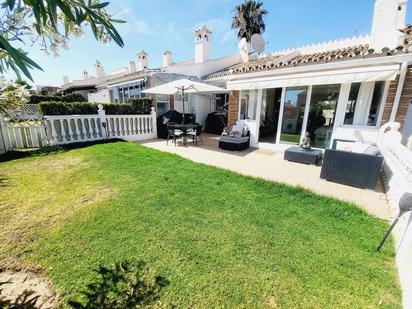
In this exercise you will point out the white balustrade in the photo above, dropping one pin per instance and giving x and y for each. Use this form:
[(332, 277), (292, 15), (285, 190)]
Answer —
[(398, 159), (66, 129)]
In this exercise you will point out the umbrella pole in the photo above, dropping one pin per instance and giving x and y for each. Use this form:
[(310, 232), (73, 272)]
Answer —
[(183, 102)]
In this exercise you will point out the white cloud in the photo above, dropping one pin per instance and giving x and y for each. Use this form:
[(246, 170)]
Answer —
[(227, 36), (140, 26)]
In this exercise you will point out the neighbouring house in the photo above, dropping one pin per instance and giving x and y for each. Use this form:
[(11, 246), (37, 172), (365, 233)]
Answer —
[(128, 82), (327, 89), (47, 89)]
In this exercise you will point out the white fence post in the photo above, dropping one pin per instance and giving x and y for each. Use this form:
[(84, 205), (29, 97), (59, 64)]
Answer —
[(4, 141), (154, 124), (103, 122), (409, 142)]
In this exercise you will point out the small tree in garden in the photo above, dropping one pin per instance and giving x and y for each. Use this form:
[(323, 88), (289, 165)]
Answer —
[(51, 23), (12, 96), (249, 19)]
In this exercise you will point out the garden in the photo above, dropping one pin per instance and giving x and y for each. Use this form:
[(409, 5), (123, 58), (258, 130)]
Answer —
[(205, 237)]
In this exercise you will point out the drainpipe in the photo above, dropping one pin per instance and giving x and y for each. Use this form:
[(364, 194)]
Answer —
[(398, 95)]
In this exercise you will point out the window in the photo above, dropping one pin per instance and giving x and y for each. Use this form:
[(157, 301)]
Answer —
[(351, 103), (248, 104), (364, 103), (321, 118), (376, 103), (162, 104), (293, 112)]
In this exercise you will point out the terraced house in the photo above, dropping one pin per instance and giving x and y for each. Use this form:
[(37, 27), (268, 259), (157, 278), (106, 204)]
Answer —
[(328, 89)]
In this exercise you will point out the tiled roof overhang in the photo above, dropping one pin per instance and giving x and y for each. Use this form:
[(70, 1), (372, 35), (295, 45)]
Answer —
[(344, 54)]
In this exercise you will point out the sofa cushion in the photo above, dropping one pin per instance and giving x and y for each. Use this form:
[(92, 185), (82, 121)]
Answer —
[(234, 139), (344, 146), (359, 147), (372, 150)]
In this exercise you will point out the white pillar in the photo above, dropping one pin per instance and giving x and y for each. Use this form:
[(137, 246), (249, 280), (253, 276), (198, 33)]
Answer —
[(154, 124), (4, 143), (102, 116)]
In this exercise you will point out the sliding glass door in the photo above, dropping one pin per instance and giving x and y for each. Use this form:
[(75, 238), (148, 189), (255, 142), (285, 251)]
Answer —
[(293, 113), (321, 117)]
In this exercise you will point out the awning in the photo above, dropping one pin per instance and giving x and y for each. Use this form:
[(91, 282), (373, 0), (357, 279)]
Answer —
[(136, 81), (365, 74)]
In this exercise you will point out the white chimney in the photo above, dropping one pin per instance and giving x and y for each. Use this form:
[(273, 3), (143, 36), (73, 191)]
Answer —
[(131, 67), (202, 44), (167, 58), (388, 18), (99, 69), (244, 50), (66, 80), (85, 75), (143, 61)]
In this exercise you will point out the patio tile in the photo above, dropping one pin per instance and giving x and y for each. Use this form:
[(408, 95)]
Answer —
[(270, 165)]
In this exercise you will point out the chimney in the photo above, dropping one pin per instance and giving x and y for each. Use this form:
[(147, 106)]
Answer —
[(131, 66), (143, 61), (99, 69), (202, 44), (85, 75), (388, 18), (244, 50), (167, 58), (66, 80)]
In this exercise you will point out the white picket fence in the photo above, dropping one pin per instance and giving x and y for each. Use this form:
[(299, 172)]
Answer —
[(59, 130), (398, 173)]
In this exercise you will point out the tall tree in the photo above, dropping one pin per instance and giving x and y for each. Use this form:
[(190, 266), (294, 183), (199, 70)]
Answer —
[(249, 19), (51, 23)]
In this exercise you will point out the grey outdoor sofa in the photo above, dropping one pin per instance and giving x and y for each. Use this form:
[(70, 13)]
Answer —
[(359, 170)]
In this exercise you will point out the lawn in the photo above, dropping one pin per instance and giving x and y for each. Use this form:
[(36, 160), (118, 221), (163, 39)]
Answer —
[(219, 238)]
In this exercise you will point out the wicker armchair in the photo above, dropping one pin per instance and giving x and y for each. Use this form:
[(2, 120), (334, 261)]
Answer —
[(354, 169)]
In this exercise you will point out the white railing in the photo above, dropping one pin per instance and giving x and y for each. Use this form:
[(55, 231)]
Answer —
[(398, 174), (72, 129), (61, 129), (21, 134)]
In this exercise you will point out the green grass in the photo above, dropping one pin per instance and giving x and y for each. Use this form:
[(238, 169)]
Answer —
[(221, 239), (292, 138)]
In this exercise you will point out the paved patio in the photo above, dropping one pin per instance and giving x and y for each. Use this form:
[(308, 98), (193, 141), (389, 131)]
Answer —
[(270, 165)]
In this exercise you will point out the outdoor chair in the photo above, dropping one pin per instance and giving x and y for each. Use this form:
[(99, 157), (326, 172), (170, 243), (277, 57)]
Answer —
[(235, 138), (196, 134), (357, 169), (172, 133)]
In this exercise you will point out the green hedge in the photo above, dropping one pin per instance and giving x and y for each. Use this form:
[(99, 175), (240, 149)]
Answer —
[(136, 106), (72, 97)]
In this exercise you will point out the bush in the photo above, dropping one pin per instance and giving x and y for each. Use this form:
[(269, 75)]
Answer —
[(137, 106), (141, 106), (62, 108), (72, 97)]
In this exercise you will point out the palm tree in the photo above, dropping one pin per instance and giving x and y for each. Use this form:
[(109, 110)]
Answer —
[(248, 19)]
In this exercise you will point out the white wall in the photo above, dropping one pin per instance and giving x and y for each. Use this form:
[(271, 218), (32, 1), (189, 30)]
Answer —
[(205, 68), (102, 96)]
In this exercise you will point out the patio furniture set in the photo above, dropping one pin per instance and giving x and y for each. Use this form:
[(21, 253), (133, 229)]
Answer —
[(353, 163), (185, 131)]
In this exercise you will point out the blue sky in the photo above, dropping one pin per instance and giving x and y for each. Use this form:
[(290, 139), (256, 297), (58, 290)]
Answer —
[(158, 25)]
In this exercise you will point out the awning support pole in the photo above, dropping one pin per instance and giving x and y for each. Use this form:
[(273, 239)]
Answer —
[(399, 89)]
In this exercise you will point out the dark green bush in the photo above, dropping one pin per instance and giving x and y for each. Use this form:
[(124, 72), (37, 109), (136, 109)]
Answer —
[(63, 108), (72, 97), (137, 106), (141, 106)]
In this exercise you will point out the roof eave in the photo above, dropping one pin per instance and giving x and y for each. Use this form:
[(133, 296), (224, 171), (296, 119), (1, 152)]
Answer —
[(397, 59)]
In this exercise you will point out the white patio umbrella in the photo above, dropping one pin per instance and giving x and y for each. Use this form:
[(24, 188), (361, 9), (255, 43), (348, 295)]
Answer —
[(183, 86)]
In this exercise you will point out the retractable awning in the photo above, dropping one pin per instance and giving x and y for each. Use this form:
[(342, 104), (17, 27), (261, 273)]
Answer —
[(343, 76)]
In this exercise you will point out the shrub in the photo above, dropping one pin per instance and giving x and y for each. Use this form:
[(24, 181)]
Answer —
[(137, 106), (72, 97), (62, 108), (141, 106)]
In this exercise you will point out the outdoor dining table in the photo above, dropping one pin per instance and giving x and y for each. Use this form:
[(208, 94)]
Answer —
[(185, 128)]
